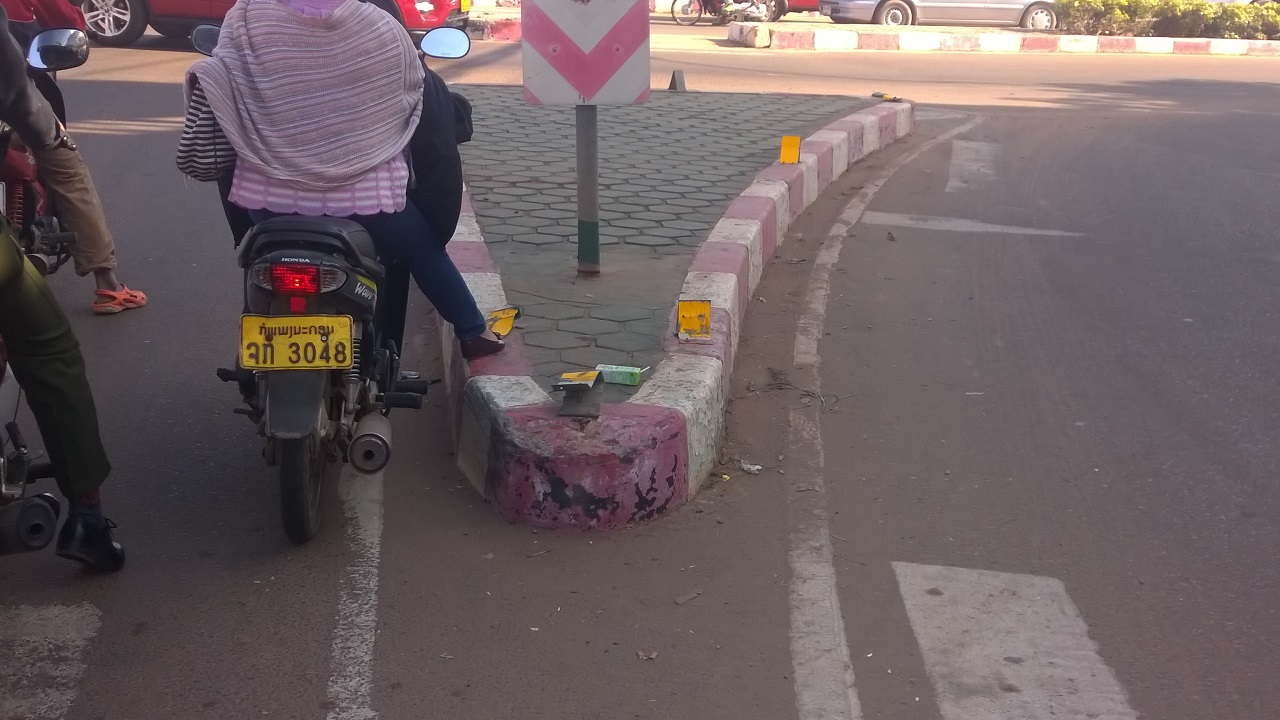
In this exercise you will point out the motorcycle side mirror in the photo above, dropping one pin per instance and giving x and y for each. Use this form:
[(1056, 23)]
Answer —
[(60, 49), (448, 43), (205, 38)]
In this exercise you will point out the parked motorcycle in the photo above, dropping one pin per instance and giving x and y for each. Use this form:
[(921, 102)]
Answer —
[(24, 200), (28, 522), (316, 366), (690, 12)]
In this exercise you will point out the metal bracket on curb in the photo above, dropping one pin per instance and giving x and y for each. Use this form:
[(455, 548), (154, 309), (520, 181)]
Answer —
[(582, 394)]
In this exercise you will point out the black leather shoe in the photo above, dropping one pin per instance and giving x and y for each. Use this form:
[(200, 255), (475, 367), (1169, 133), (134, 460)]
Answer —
[(480, 346), (90, 545)]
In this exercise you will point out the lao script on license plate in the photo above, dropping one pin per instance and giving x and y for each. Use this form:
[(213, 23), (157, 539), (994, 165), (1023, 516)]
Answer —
[(297, 342)]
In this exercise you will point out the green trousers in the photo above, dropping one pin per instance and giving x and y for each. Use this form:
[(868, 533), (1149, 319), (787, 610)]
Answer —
[(46, 360)]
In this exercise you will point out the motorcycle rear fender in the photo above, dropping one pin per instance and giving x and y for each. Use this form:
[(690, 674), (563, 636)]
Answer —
[(294, 403)]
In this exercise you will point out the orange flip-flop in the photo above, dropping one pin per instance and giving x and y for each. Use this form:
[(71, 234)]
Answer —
[(117, 301)]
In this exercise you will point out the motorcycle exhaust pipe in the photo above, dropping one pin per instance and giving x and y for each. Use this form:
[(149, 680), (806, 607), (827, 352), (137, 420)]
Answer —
[(41, 262), (28, 524), (370, 451)]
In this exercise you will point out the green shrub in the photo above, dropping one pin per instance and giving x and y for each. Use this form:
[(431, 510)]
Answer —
[(1169, 18)]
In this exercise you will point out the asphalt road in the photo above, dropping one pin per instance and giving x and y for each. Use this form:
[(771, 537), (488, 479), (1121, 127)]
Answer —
[(1138, 347)]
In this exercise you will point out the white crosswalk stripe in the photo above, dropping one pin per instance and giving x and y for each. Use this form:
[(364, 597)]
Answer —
[(999, 646), (42, 658), (971, 163)]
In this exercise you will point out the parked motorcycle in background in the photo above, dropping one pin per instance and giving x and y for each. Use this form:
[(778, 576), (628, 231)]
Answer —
[(690, 12), (318, 373), (24, 200), (28, 522)]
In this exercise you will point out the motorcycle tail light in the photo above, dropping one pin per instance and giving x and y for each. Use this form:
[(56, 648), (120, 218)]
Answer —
[(298, 279)]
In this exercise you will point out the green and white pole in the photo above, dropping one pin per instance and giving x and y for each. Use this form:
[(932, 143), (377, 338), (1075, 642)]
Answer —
[(588, 192)]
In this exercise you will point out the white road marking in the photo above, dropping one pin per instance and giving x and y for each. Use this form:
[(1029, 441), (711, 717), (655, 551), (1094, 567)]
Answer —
[(971, 162), (999, 646), (823, 674), (354, 636), (930, 222), (41, 658)]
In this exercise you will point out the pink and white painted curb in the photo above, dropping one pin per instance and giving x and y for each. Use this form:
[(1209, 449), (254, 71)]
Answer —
[(646, 456), (759, 35)]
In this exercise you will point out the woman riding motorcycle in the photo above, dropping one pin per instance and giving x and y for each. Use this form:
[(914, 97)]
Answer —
[(318, 100)]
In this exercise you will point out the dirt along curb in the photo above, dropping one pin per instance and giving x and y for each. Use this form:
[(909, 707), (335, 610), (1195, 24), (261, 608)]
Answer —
[(646, 456), (778, 37)]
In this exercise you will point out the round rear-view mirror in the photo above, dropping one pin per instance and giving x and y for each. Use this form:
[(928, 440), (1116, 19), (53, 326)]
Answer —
[(60, 49), (205, 37), (446, 42)]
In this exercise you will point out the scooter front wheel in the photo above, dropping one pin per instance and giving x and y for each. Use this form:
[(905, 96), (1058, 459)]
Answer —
[(687, 12)]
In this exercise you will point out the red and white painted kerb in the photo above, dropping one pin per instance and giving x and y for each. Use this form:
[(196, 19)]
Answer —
[(646, 456), (760, 35)]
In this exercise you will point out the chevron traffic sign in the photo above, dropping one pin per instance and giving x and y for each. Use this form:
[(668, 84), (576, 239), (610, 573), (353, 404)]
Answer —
[(585, 52)]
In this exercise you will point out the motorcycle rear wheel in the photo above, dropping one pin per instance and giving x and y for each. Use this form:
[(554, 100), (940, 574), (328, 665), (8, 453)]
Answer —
[(687, 12), (303, 464)]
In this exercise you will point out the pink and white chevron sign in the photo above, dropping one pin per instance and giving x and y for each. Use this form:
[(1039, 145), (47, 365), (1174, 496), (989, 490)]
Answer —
[(585, 52)]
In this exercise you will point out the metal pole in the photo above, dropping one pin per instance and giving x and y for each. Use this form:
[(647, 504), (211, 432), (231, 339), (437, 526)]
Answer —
[(588, 192)]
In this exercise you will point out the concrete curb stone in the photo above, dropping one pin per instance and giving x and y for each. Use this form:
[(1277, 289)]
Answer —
[(646, 456), (761, 35)]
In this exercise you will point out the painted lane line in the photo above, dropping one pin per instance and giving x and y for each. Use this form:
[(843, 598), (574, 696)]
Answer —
[(929, 222), (999, 646), (823, 673), (355, 634), (971, 163), (42, 658)]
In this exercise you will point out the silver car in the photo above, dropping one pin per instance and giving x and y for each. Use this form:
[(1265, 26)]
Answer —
[(1032, 14)]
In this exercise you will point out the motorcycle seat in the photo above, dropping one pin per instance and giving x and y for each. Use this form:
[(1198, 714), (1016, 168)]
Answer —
[(337, 235)]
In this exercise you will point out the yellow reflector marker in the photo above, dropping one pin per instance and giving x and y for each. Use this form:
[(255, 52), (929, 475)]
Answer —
[(790, 150), (502, 321), (587, 377), (694, 319)]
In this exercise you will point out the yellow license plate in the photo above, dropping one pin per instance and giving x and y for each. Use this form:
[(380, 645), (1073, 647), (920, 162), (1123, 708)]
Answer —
[(296, 342)]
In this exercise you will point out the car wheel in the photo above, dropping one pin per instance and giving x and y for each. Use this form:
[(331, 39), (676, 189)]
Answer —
[(779, 11), (1039, 17), (893, 12), (173, 32), (117, 22)]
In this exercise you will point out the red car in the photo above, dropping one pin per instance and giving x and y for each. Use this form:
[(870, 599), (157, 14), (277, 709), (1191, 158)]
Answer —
[(121, 22)]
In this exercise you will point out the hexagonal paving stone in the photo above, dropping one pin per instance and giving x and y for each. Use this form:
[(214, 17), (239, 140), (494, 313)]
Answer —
[(555, 340), (503, 229), (630, 222), (552, 311), (651, 241), (552, 369), (592, 356), (654, 216), (621, 313), (589, 326), (628, 342), (531, 222), (656, 327), (537, 239)]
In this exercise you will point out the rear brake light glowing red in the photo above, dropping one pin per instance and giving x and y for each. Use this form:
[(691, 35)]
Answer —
[(295, 279)]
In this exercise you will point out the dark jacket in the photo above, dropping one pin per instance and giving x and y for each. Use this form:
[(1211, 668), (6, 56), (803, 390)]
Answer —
[(22, 107)]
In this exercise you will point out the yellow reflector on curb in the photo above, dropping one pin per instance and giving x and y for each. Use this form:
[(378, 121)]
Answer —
[(502, 321), (790, 150), (693, 318)]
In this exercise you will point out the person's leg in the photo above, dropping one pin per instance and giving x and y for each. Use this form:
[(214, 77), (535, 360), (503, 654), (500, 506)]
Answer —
[(47, 362), (68, 180), (406, 236)]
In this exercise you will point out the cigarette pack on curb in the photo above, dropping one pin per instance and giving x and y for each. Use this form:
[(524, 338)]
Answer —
[(621, 374)]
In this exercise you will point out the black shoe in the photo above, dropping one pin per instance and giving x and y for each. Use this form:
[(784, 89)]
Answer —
[(90, 545)]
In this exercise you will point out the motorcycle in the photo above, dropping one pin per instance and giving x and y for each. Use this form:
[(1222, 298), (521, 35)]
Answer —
[(316, 366), (24, 200), (28, 522), (690, 12)]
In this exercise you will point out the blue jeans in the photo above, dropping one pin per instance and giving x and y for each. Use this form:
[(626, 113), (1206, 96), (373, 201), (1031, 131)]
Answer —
[(404, 238)]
